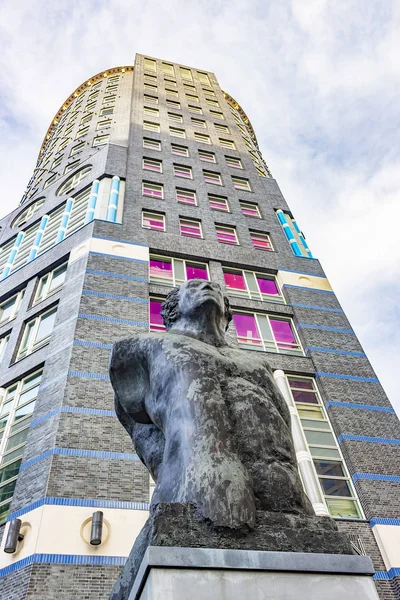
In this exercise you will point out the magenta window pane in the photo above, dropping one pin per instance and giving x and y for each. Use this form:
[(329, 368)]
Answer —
[(155, 224), (218, 205), (190, 230), (160, 268), (235, 281), (267, 286), (301, 383), (282, 331), (155, 313), (262, 243), (196, 272), (246, 326)]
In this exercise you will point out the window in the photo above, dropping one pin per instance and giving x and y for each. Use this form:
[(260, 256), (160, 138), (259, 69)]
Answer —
[(156, 321), (207, 156), (240, 183), (250, 209), (236, 163), (3, 345), (151, 144), (27, 213), (77, 148), (186, 73), (198, 123), (50, 283), (173, 104), (196, 109), (85, 119), (151, 78), (114, 78), (261, 241), (37, 333), (186, 196), (73, 181), (149, 126), (175, 132), (90, 106), (192, 97), (257, 331), (202, 137), (248, 284), (71, 166), (111, 88), (209, 92), (217, 114), (100, 140), (218, 202), (50, 181), (151, 99), (168, 69), (15, 417), (227, 144), (221, 128), (182, 171), (154, 112), (174, 271), (82, 131), (332, 473), (189, 87), (190, 227), (152, 165), (57, 161), (181, 150), (226, 235), (294, 235), (9, 308), (214, 103), (175, 117), (150, 65), (151, 220), (212, 177), (103, 124), (203, 77), (153, 189), (171, 92), (170, 82)]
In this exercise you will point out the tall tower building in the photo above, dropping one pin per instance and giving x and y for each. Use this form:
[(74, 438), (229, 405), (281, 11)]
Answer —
[(148, 176)]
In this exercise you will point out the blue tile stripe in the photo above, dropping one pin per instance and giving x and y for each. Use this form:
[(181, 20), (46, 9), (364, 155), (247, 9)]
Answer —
[(348, 377), (323, 328), (70, 559), (137, 260), (92, 344), (334, 351), (376, 477), (359, 406), (116, 275), (384, 521), (315, 307), (107, 239), (114, 296), (386, 575), (86, 502), (367, 438), (75, 410), (113, 320), (307, 289), (77, 452), (88, 375)]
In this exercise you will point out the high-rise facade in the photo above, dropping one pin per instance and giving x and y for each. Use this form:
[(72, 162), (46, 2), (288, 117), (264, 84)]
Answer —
[(148, 176)]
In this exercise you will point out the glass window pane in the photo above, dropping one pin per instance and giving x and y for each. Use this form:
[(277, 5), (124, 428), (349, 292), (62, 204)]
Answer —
[(235, 280), (310, 412), (58, 277), (161, 268), (46, 326), (32, 380), (322, 438), (20, 413), (4, 511), (330, 468), (301, 383), (7, 309), (29, 395), (196, 271), (305, 396), (17, 439), (328, 452), (315, 424), (335, 487), (246, 328), (10, 470), (283, 333), (342, 508), (7, 491), (156, 320), (266, 285)]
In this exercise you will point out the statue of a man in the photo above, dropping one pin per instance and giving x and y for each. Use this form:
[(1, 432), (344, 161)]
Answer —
[(207, 419)]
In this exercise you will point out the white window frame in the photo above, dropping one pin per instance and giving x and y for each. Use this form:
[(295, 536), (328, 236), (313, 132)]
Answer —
[(270, 345), (233, 162), (175, 147), (29, 339), (230, 228), (44, 286), (174, 280), (188, 193), (176, 132), (253, 295), (222, 200), (101, 140), (18, 299), (183, 171), (175, 117), (197, 221), (151, 144), (150, 126), (241, 183), (148, 163), (227, 143), (148, 214), (73, 181), (212, 174), (252, 204), (152, 183)]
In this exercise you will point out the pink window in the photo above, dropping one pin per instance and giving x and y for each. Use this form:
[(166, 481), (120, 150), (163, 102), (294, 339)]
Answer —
[(249, 209), (306, 393), (153, 221), (261, 241), (210, 177), (267, 286), (246, 329), (160, 268), (190, 228), (283, 334), (196, 271), (235, 281), (181, 171), (152, 189), (186, 196), (156, 320), (218, 203), (227, 235)]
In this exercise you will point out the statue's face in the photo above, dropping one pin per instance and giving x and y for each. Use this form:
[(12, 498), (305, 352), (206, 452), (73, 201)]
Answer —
[(198, 294)]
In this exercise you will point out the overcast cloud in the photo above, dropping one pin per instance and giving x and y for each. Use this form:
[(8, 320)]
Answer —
[(319, 80)]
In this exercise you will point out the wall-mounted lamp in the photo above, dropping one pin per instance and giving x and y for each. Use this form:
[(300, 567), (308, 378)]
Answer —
[(97, 528), (13, 536)]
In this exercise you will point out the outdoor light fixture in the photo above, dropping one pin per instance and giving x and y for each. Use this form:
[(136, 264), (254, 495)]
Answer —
[(13, 536), (97, 528)]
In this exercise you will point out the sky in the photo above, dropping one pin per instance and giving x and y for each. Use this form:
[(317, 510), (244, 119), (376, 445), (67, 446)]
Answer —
[(319, 80)]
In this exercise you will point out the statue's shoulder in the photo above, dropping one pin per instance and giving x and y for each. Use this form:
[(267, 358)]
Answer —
[(136, 346)]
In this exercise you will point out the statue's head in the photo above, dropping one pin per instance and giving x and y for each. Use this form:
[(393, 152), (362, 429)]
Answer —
[(194, 297)]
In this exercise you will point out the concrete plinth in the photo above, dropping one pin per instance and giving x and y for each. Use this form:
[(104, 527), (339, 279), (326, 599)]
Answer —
[(213, 574)]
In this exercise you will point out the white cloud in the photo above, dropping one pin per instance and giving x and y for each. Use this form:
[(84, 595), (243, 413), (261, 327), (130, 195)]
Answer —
[(319, 80)]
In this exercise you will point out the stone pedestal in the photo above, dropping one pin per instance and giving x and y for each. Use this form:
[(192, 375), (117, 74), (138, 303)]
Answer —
[(172, 573)]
